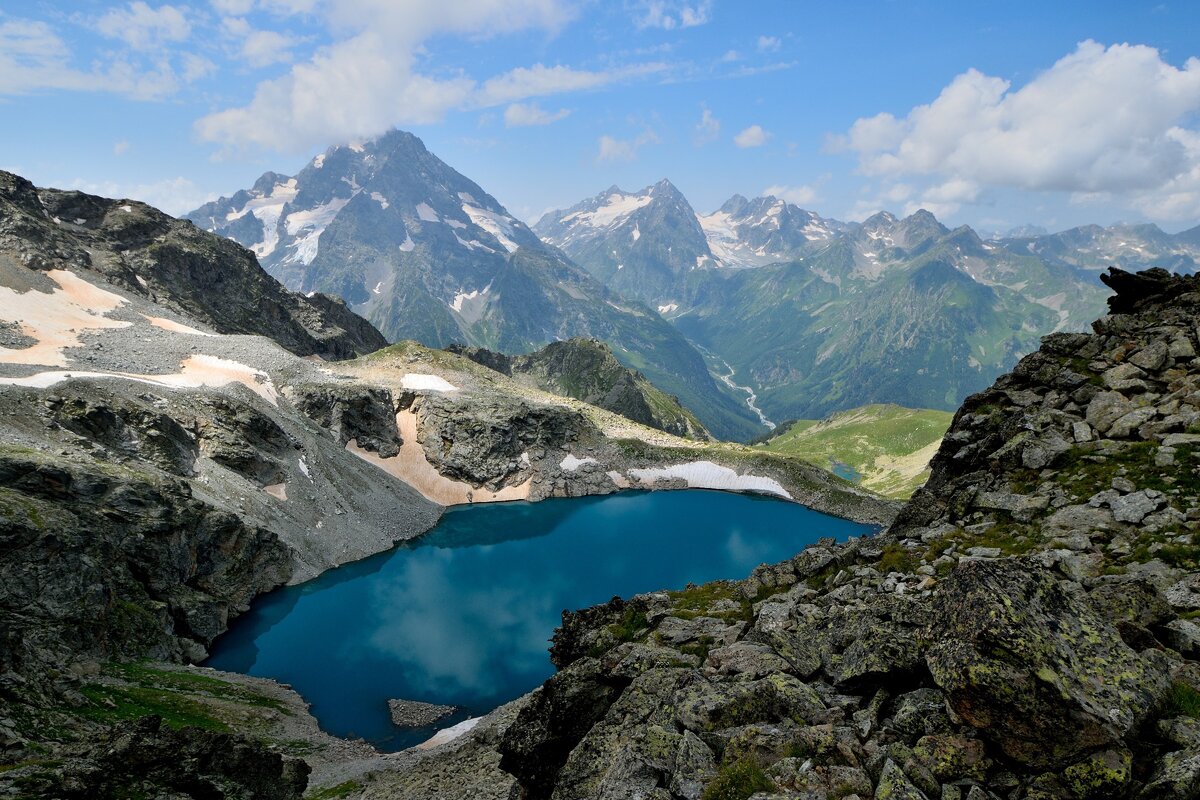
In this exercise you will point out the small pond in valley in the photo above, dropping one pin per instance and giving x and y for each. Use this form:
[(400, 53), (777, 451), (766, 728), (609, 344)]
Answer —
[(463, 615)]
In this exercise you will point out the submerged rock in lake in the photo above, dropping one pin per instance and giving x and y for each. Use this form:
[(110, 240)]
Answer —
[(415, 714)]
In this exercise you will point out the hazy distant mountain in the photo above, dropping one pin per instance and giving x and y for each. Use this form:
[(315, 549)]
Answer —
[(814, 315), (1131, 247), (425, 253)]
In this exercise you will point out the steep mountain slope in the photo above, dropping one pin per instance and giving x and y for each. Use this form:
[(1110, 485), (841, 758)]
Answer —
[(637, 244), (426, 254), (1026, 629), (886, 448), (587, 370)]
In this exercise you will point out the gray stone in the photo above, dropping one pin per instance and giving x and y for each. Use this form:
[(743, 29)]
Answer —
[(1022, 507), (895, 785), (1135, 506), (1127, 424), (1177, 439), (1121, 372), (1185, 595), (1184, 636), (1153, 357), (1082, 432), (1181, 347), (1106, 408)]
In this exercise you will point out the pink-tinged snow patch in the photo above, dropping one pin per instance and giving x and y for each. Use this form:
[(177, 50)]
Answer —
[(449, 734), (430, 383), (173, 326), (707, 475), (56, 320), (195, 372)]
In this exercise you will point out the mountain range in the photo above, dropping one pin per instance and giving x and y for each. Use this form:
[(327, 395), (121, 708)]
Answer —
[(814, 315), (758, 312), (426, 254)]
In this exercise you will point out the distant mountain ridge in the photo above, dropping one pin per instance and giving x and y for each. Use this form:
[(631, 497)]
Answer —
[(426, 254), (817, 315)]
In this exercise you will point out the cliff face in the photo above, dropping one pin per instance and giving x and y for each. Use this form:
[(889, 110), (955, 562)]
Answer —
[(1025, 630)]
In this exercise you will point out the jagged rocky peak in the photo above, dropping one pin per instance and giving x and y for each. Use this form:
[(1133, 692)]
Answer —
[(1026, 628)]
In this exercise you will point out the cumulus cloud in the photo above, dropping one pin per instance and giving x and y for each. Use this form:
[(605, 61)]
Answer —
[(768, 44), (707, 129), (623, 150), (369, 79), (1101, 120), (671, 14), (754, 136), (143, 28), (263, 48), (520, 115), (797, 195)]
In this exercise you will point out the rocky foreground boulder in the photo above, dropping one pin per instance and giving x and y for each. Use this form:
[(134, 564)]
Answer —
[(1027, 629)]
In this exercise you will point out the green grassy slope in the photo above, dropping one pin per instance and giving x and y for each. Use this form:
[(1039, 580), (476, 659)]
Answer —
[(888, 445)]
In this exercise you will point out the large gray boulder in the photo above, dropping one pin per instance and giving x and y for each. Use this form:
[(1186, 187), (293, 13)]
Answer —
[(1029, 662)]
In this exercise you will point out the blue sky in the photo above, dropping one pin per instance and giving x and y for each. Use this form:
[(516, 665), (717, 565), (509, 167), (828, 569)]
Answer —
[(992, 114)]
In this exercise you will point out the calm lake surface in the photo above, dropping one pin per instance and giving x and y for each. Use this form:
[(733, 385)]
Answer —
[(463, 615)]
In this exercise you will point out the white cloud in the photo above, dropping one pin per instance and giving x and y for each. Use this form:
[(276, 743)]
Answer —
[(670, 14), (768, 44), (707, 129), (143, 28), (1100, 120), (368, 79), (730, 56), (263, 48), (618, 150), (173, 195), (120, 147), (754, 136), (540, 80), (234, 8), (523, 114), (33, 57), (798, 195)]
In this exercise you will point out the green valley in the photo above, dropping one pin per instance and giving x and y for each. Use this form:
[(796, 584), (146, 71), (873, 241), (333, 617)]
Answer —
[(884, 447)]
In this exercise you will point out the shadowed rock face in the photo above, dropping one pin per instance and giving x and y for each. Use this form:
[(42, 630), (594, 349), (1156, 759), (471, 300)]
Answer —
[(187, 763), (1024, 630)]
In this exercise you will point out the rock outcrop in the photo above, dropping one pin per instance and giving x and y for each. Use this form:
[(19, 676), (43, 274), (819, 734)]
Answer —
[(587, 370), (1024, 630), (174, 264)]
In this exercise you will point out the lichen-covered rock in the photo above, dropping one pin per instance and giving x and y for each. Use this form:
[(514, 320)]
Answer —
[(1033, 667)]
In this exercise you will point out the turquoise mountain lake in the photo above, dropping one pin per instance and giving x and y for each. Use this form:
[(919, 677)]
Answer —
[(463, 615)]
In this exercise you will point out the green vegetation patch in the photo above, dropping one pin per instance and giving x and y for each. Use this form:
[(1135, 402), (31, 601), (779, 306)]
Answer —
[(879, 442), (182, 699), (333, 792), (702, 601), (1182, 701), (737, 781)]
